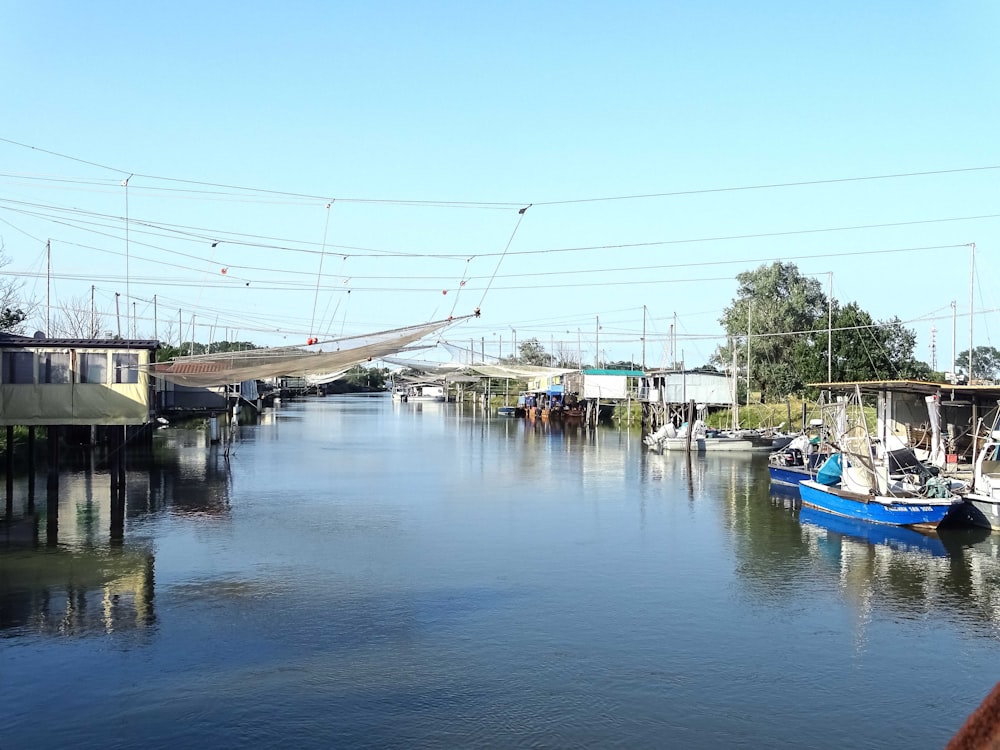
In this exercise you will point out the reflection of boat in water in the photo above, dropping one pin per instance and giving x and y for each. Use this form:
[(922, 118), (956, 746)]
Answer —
[(896, 537)]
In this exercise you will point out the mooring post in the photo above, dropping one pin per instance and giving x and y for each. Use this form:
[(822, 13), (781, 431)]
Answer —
[(687, 442)]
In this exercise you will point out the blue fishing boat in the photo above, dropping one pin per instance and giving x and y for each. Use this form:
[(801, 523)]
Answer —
[(801, 457), (915, 511)]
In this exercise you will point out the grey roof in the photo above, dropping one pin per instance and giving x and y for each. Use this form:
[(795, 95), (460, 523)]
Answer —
[(12, 340)]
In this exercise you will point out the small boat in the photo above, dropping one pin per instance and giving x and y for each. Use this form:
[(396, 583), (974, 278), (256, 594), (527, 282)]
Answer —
[(983, 499), (852, 492), (510, 411), (408, 392), (801, 458), (669, 438)]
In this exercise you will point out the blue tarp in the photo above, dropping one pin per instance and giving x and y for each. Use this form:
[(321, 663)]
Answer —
[(830, 472)]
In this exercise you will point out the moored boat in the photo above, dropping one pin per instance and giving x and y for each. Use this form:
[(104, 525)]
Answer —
[(913, 511), (801, 458), (669, 438), (892, 489), (983, 499)]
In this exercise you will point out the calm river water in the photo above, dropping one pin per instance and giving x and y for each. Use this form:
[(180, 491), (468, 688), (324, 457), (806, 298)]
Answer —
[(369, 574)]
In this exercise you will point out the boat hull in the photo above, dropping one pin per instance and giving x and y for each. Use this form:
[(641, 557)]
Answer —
[(982, 511), (924, 513), (707, 444), (790, 476)]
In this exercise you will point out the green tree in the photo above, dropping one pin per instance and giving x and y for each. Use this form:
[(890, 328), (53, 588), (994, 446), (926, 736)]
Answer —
[(866, 349), (985, 363), (530, 352), (779, 307), (12, 309), (188, 348)]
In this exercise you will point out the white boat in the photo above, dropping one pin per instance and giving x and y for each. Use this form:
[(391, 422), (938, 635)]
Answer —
[(669, 438), (412, 392), (983, 500)]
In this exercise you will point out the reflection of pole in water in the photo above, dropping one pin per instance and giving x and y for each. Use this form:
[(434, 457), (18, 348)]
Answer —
[(9, 450), (690, 472), (52, 487), (31, 470), (117, 469)]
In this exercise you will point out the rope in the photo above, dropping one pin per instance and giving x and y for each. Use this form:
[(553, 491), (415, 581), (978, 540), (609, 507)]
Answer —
[(319, 275), (461, 285), (520, 217)]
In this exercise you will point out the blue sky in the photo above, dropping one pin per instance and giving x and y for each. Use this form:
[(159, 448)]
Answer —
[(426, 127)]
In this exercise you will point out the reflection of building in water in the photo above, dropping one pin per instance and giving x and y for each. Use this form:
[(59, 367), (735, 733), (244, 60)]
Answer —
[(63, 592)]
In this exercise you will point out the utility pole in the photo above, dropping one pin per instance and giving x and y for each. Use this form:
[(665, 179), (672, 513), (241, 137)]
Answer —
[(134, 328), (954, 319), (597, 342), (118, 314), (48, 286), (972, 303), (93, 315), (643, 338), (156, 334), (749, 310), (829, 332)]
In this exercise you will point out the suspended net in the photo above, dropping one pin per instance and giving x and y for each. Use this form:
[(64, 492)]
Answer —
[(259, 364)]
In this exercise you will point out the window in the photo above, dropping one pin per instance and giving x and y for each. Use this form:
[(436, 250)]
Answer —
[(53, 367), (94, 368), (18, 367), (126, 368)]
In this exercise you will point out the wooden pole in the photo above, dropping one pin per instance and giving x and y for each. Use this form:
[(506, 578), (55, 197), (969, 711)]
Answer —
[(690, 430)]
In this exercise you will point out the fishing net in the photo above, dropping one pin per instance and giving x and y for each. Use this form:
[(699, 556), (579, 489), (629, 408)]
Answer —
[(258, 364)]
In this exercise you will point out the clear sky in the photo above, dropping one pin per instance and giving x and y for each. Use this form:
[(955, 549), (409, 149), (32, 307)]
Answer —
[(354, 161)]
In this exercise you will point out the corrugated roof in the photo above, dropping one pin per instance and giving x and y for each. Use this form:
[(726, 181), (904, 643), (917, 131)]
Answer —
[(11, 340), (598, 371), (919, 387)]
